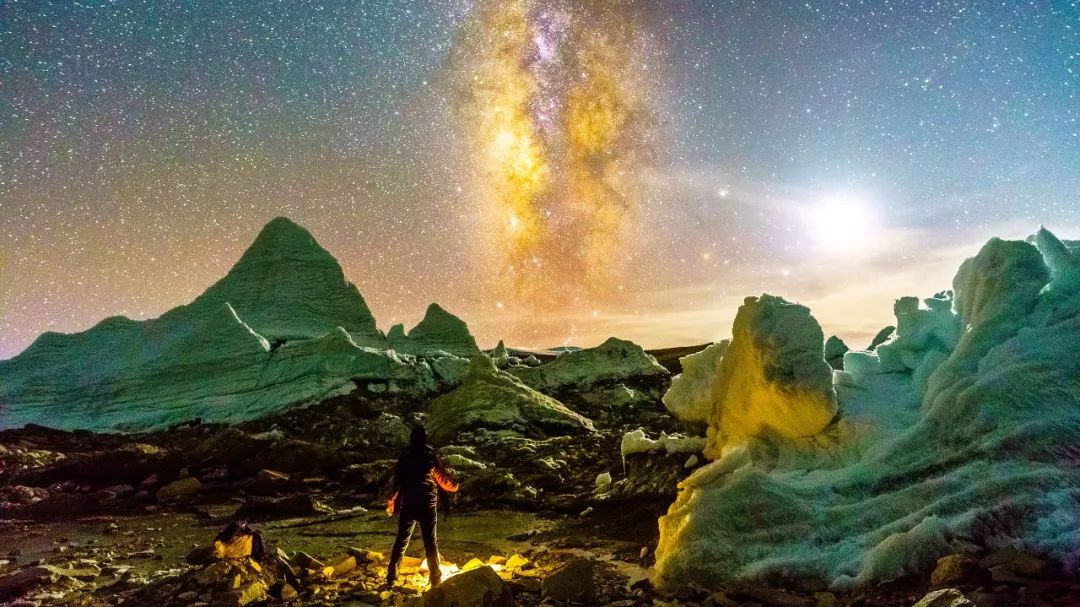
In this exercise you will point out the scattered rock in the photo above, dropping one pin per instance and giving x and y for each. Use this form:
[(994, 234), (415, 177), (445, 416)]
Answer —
[(344, 565), (1003, 575), (1016, 561), (479, 587), (269, 482), (212, 573), (954, 569), (773, 596), (948, 597), (573, 582), (525, 585), (181, 490), (366, 557), (21, 581), (825, 599), (305, 560), (603, 482), (296, 506), (250, 592), (84, 571), (288, 593), (517, 562)]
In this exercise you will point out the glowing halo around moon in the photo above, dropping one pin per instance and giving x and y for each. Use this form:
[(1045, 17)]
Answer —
[(840, 223)]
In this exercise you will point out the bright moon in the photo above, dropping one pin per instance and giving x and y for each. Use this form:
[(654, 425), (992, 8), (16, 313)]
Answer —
[(842, 223)]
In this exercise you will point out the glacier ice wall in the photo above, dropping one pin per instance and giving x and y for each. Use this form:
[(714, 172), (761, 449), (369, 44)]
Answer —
[(959, 432), (283, 328)]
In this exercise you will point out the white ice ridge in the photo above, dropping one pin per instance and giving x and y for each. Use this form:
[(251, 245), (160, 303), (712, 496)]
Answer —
[(637, 441), (960, 431), (282, 328)]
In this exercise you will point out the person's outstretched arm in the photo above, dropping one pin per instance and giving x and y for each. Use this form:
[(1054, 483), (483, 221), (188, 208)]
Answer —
[(443, 478)]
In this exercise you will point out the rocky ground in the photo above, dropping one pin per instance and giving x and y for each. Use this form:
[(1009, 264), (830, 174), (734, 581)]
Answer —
[(94, 519)]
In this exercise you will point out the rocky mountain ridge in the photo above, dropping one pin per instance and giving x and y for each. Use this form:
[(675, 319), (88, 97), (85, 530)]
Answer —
[(283, 328)]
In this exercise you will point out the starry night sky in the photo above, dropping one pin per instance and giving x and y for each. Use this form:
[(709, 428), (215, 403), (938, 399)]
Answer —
[(551, 171)]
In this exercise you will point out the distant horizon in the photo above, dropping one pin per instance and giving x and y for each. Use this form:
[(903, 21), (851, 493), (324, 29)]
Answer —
[(641, 329)]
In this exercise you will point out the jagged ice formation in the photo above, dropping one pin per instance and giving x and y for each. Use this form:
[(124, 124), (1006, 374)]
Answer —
[(958, 432)]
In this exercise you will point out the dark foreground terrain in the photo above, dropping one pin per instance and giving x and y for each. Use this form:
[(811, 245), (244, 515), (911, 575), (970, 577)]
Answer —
[(95, 520)]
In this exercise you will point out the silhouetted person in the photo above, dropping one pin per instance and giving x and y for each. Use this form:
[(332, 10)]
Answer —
[(418, 476)]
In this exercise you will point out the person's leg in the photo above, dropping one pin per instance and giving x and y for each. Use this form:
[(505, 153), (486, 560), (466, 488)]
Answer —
[(431, 545), (401, 542)]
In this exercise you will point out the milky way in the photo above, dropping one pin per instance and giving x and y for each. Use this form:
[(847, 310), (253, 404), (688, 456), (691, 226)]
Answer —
[(555, 99), (551, 170)]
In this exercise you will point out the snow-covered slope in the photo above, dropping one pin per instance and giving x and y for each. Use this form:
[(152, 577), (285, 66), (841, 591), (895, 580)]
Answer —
[(495, 400), (286, 286), (283, 327), (960, 432)]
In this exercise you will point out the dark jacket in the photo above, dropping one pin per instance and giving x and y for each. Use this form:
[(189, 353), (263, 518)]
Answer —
[(418, 477)]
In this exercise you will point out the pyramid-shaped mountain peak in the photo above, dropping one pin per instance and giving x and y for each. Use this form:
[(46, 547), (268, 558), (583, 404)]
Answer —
[(438, 331), (281, 239), (287, 286), (434, 310)]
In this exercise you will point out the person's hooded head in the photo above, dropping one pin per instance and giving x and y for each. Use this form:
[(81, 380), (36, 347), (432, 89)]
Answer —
[(418, 439)]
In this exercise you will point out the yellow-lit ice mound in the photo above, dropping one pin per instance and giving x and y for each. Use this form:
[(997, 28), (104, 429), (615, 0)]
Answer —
[(769, 382), (972, 411)]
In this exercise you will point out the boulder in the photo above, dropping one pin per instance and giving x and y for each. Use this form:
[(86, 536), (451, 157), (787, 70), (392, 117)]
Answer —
[(305, 560), (954, 569), (480, 587), (603, 482), (366, 557), (180, 490), (269, 482), (212, 573), (343, 565), (24, 580), (287, 593), (574, 581), (825, 599)]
